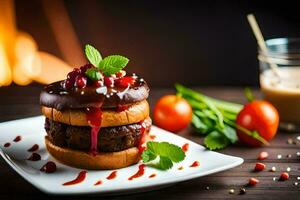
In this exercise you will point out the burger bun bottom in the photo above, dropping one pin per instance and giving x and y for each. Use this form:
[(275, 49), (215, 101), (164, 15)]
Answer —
[(84, 160)]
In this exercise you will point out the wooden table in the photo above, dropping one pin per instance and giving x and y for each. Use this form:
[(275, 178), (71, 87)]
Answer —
[(18, 102)]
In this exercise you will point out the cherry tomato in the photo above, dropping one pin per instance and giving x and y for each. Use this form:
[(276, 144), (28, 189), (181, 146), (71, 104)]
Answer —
[(260, 116), (172, 113)]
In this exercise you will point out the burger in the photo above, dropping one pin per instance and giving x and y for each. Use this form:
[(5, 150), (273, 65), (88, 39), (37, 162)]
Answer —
[(98, 117)]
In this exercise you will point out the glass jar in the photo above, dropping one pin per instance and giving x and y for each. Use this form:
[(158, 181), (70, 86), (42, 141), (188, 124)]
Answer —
[(280, 79)]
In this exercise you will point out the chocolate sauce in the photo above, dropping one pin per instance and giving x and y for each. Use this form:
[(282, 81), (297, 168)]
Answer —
[(56, 96)]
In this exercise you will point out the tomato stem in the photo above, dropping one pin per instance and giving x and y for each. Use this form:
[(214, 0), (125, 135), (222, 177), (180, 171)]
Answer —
[(248, 132), (249, 94)]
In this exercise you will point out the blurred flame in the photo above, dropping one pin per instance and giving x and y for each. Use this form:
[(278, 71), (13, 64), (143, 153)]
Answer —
[(5, 71), (20, 60)]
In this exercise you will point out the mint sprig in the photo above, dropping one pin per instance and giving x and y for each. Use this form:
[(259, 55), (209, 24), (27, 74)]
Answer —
[(166, 152), (94, 74), (93, 55), (112, 64), (109, 65)]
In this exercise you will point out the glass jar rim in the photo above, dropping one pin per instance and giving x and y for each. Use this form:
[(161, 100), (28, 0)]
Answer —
[(283, 48)]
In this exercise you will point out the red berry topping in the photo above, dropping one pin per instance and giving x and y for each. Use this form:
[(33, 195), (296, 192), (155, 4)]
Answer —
[(98, 83), (125, 81), (120, 74), (263, 155), (84, 68), (68, 84), (109, 81), (259, 167), (253, 181), (81, 81), (73, 74), (284, 176)]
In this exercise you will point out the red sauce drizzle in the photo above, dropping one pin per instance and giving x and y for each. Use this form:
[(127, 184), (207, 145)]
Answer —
[(142, 137), (195, 164), (152, 137), (94, 118), (18, 138), (49, 167), (35, 147), (180, 168), (121, 108), (80, 178), (185, 147), (7, 144), (112, 175), (152, 176), (34, 157), (98, 182), (139, 173)]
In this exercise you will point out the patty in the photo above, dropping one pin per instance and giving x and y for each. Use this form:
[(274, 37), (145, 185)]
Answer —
[(110, 139)]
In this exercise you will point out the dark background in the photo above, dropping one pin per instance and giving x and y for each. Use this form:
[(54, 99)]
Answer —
[(192, 42)]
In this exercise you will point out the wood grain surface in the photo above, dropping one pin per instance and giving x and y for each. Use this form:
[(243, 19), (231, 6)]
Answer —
[(19, 102)]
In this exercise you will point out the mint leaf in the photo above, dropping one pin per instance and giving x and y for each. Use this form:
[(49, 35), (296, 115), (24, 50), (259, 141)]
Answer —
[(148, 156), (216, 140), (165, 163), (94, 74), (168, 153), (112, 64), (171, 151), (93, 55)]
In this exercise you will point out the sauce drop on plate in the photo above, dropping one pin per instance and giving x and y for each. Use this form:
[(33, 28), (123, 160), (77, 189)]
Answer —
[(49, 167), (112, 175), (195, 164), (18, 138), (139, 173), (98, 182), (35, 147), (80, 178), (180, 168), (7, 144), (185, 147), (34, 157), (152, 176), (152, 137)]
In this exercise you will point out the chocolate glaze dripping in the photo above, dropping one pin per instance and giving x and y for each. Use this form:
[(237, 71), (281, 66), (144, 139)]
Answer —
[(55, 96)]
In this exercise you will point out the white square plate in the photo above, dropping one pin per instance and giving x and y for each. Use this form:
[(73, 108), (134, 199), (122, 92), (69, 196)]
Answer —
[(32, 132)]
